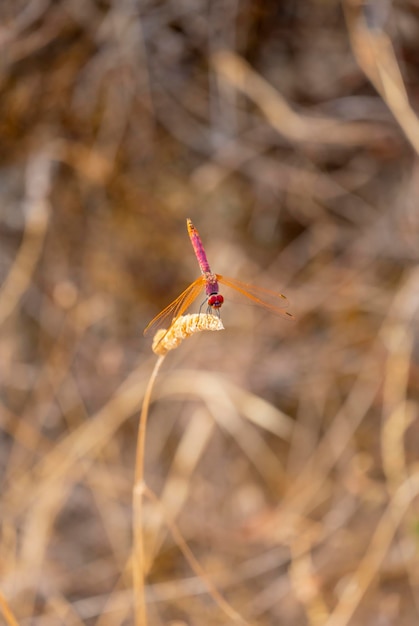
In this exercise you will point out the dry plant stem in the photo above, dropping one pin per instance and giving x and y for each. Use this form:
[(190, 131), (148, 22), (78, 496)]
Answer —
[(7, 612), (369, 566), (164, 341), (37, 212), (196, 566), (295, 127), (138, 560), (376, 57)]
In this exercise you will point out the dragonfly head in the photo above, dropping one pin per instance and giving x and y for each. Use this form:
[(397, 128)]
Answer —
[(215, 300)]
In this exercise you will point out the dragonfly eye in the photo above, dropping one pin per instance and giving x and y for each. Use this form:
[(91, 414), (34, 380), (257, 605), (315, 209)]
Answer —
[(215, 300)]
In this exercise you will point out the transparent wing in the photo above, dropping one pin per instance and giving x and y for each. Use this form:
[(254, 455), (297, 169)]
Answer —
[(177, 307), (271, 300)]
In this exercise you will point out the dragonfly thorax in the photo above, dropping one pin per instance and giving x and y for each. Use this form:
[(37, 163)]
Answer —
[(215, 300)]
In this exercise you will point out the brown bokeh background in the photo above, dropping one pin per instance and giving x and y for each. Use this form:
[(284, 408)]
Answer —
[(285, 453)]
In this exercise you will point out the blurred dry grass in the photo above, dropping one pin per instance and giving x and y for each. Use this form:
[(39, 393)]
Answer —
[(285, 455)]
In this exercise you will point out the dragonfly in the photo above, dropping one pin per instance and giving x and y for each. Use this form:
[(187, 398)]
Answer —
[(208, 281)]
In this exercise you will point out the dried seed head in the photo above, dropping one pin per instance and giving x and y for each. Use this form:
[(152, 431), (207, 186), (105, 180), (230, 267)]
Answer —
[(185, 326)]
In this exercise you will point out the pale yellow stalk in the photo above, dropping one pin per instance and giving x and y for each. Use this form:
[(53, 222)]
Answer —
[(164, 341), (185, 326)]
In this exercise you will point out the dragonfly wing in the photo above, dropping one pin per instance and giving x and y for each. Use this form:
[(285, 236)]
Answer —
[(176, 308), (273, 301)]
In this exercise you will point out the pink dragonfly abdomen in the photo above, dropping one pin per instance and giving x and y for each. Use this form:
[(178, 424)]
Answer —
[(198, 248), (211, 283)]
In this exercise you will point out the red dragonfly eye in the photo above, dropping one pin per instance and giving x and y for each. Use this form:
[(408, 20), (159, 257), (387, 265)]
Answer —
[(215, 300)]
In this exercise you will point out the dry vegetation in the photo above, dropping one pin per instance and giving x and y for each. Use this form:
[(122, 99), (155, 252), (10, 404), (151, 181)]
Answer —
[(281, 458)]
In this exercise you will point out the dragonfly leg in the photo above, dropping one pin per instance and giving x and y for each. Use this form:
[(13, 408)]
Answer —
[(202, 304), (213, 311)]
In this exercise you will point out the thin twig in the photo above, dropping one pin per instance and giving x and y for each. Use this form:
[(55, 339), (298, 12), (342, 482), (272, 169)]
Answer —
[(138, 560), (195, 565), (7, 612), (36, 211)]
